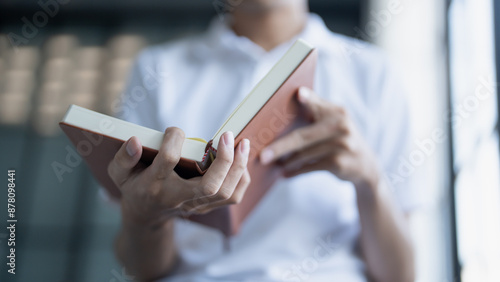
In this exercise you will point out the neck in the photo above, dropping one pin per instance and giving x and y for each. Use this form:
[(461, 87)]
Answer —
[(272, 24)]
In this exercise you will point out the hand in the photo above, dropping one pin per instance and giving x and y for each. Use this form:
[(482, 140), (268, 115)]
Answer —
[(152, 194), (330, 143)]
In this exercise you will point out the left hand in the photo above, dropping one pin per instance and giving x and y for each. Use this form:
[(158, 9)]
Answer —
[(330, 143)]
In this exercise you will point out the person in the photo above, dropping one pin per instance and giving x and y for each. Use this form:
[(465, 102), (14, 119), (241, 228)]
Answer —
[(334, 217)]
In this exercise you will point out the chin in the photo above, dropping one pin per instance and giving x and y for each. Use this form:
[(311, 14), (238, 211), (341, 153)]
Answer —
[(264, 4)]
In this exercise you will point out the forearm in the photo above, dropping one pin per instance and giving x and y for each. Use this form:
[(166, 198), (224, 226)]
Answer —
[(385, 241), (146, 251)]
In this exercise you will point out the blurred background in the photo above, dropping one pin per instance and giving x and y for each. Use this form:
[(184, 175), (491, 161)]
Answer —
[(55, 53)]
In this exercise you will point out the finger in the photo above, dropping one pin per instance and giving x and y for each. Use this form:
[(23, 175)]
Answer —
[(329, 124), (294, 141), (236, 198), (312, 102), (169, 153), (235, 172), (316, 166), (309, 155), (127, 157), (240, 190), (216, 173)]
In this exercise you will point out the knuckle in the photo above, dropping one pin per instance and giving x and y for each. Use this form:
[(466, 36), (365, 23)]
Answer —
[(210, 190), (224, 194), (170, 158), (198, 191), (342, 144), (236, 199), (175, 131), (331, 125), (114, 171), (111, 169), (344, 127), (155, 189), (232, 201), (335, 161), (161, 171), (200, 202), (298, 138), (240, 166), (226, 160), (347, 144), (247, 180), (152, 193), (341, 112), (166, 163), (120, 160)]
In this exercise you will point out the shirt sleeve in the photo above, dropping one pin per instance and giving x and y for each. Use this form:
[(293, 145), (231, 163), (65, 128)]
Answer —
[(394, 137)]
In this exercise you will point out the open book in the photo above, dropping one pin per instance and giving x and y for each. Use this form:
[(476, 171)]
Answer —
[(267, 112)]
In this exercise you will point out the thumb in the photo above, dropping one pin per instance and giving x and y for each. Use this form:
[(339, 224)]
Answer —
[(311, 101), (125, 160)]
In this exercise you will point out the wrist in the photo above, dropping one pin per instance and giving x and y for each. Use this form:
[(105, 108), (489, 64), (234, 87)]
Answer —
[(134, 219), (370, 177), (369, 187)]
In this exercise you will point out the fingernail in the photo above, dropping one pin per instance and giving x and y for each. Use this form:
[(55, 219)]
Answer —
[(266, 156), (304, 94), (130, 148), (228, 139), (245, 146)]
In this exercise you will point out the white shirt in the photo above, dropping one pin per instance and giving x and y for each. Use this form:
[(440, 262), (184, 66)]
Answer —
[(306, 227)]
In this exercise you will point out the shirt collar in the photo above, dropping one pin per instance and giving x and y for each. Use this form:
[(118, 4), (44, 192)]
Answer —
[(220, 38)]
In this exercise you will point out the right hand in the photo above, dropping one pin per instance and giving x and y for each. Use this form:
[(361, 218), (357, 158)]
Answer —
[(156, 193)]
